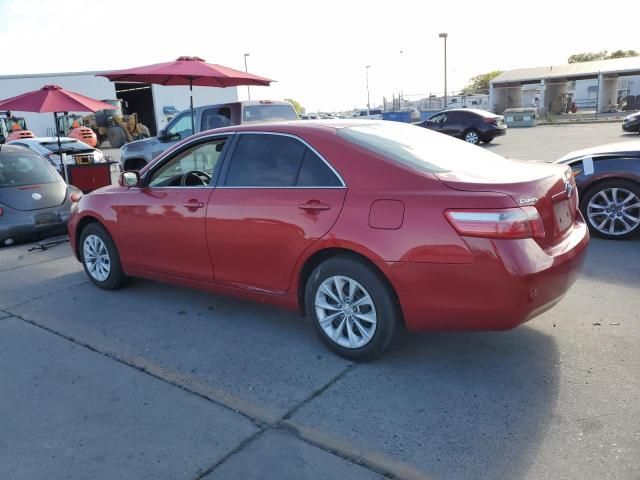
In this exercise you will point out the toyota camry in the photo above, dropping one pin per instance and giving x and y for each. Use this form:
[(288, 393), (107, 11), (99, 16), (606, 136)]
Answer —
[(364, 226)]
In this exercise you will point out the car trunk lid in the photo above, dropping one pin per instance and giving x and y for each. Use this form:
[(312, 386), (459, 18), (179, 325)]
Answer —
[(551, 189), (33, 197)]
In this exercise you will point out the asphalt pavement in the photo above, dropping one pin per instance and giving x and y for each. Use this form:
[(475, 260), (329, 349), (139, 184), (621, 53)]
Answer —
[(158, 382)]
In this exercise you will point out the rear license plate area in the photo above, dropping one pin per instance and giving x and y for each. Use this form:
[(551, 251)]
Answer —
[(563, 214), (45, 218)]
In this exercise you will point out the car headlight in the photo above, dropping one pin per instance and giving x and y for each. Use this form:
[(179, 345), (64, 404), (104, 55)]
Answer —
[(98, 156)]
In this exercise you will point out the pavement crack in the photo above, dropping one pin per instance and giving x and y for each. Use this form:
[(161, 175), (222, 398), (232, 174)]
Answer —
[(240, 446), (54, 292), (40, 262), (317, 393)]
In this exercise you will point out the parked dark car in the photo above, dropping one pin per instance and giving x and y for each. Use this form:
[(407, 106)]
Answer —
[(631, 123), (34, 200), (471, 125), (608, 180)]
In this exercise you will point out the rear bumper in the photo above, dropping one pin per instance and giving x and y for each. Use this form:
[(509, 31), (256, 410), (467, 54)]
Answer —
[(19, 226), (509, 282), (495, 132)]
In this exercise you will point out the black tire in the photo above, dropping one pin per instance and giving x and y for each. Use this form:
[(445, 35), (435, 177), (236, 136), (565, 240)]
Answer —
[(116, 277), (387, 310), (116, 137), (473, 133), (487, 140), (592, 195)]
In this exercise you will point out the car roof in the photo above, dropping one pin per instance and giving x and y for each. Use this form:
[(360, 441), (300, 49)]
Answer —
[(477, 111), (631, 146), (8, 148), (40, 140)]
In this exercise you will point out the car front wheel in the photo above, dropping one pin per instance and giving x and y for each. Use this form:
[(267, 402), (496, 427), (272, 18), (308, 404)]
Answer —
[(352, 308), (100, 257), (612, 209)]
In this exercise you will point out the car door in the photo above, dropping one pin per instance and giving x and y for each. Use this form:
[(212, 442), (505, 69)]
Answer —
[(161, 225), (178, 129), (276, 197)]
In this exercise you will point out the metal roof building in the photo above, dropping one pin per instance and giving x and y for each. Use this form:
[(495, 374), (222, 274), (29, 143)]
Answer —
[(553, 82)]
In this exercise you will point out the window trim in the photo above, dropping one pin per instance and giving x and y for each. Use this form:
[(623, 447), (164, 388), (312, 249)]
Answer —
[(229, 158), (229, 136)]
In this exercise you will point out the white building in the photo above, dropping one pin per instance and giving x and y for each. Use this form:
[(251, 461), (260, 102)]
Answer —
[(591, 85), (150, 102)]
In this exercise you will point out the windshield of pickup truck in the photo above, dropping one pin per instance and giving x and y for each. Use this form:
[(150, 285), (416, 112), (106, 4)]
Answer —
[(268, 113)]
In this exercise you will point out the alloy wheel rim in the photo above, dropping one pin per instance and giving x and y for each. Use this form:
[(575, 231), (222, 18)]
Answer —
[(96, 258), (472, 137), (346, 312), (614, 211)]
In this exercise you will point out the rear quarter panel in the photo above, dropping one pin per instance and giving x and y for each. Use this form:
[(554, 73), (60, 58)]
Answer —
[(606, 169)]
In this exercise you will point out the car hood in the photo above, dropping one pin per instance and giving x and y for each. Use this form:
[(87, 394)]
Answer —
[(34, 197), (138, 145)]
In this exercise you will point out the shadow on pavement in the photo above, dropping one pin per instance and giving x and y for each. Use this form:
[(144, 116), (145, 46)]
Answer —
[(448, 405)]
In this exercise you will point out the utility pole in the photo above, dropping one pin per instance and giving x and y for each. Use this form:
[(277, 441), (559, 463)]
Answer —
[(247, 70), (445, 35), (366, 69)]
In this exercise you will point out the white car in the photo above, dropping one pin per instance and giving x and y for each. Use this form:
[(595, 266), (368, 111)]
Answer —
[(371, 114), (77, 152)]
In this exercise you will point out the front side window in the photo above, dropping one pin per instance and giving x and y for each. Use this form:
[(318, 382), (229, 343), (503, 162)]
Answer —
[(440, 118), (277, 161), (194, 167), (216, 118), (181, 128)]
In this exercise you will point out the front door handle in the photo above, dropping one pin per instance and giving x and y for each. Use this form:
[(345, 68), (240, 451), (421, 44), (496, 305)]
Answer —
[(314, 205), (193, 205)]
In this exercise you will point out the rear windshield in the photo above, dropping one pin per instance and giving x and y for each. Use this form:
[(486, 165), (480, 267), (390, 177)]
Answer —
[(17, 169), (268, 113), (67, 146), (419, 148)]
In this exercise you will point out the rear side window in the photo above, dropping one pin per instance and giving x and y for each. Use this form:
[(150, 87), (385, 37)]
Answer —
[(277, 161), (315, 172)]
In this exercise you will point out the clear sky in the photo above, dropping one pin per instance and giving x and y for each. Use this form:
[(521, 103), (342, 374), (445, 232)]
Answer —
[(317, 51)]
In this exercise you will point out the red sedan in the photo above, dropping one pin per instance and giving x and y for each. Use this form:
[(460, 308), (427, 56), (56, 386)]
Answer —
[(362, 225)]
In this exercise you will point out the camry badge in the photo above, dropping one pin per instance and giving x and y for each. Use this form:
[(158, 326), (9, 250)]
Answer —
[(526, 201), (36, 196)]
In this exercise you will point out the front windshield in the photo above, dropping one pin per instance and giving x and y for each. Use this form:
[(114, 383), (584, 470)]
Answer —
[(18, 169)]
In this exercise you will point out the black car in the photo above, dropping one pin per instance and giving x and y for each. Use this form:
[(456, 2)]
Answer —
[(608, 180), (472, 125), (34, 200), (631, 123)]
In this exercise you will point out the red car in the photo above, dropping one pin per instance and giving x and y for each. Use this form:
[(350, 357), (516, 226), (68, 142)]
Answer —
[(362, 225)]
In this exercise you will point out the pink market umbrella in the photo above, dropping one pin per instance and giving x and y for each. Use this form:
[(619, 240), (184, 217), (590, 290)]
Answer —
[(187, 71), (53, 99)]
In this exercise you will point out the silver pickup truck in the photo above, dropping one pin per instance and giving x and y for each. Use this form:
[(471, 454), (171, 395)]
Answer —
[(136, 155)]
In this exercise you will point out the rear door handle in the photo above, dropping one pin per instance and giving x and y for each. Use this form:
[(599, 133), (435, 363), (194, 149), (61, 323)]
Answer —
[(314, 205), (193, 205)]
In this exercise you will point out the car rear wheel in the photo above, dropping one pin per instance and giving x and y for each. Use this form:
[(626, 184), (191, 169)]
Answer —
[(472, 136), (612, 209), (100, 257), (352, 308)]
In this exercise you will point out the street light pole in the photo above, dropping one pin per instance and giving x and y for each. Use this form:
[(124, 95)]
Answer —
[(368, 104), (444, 35), (247, 70)]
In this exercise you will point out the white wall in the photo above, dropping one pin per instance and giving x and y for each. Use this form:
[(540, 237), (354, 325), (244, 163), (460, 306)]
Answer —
[(178, 96), (87, 84)]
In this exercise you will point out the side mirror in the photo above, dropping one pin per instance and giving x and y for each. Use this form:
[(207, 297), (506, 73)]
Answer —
[(129, 179), (162, 134)]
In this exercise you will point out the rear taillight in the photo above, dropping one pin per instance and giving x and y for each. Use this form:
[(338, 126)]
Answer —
[(520, 222), (75, 197), (493, 120)]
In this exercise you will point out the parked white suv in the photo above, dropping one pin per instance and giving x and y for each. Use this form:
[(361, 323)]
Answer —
[(371, 114)]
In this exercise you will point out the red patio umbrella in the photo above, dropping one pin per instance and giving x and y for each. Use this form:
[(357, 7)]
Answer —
[(53, 99), (187, 71)]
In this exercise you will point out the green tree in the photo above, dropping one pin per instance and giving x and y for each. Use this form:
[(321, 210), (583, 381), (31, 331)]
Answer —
[(299, 108), (480, 83), (602, 55)]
